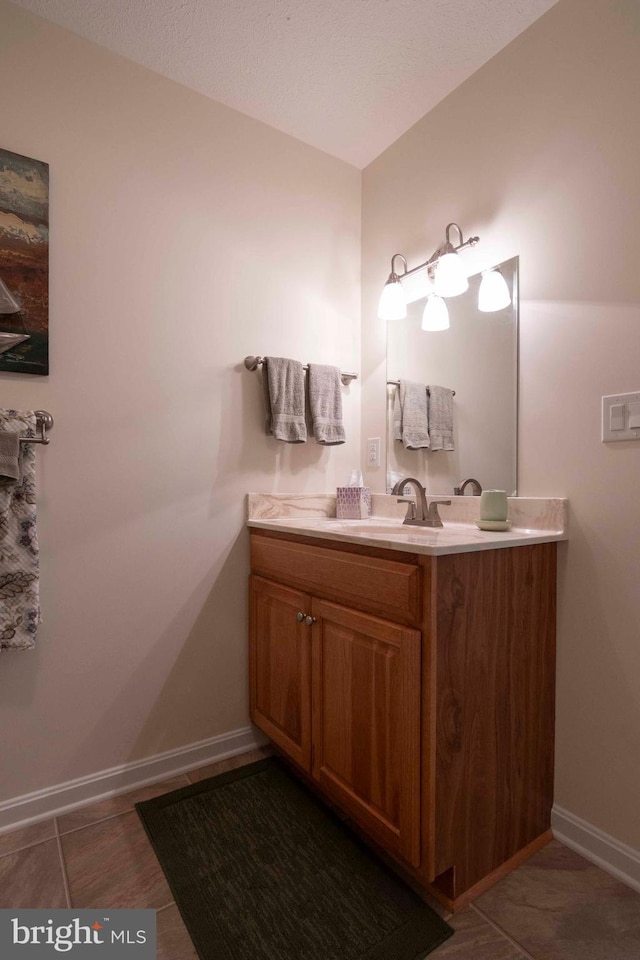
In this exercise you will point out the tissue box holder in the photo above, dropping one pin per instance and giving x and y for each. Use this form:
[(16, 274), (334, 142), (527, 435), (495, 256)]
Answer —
[(353, 503)]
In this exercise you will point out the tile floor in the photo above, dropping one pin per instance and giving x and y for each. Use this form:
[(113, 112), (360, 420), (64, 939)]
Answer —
[(556, 906)]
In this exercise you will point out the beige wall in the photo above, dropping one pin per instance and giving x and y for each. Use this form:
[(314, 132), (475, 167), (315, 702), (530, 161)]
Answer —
[(537, 153), (183, 237)]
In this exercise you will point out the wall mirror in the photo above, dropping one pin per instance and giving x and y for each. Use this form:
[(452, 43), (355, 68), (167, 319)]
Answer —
[(477, 356)]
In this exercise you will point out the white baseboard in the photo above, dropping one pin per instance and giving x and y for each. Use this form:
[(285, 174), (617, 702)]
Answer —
[(64, 797), (600, 848)]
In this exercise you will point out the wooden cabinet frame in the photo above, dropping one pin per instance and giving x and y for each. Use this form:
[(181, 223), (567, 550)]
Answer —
[(486, 627)]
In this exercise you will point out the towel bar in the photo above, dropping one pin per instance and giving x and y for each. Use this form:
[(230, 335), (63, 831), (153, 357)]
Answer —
[(44, 421), (252, 363), (396, 383)]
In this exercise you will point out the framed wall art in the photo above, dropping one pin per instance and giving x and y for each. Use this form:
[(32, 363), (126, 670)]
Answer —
[(24, 264)]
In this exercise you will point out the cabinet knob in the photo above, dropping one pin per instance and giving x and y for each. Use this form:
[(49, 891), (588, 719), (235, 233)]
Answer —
[(299, 617), (309, 620)]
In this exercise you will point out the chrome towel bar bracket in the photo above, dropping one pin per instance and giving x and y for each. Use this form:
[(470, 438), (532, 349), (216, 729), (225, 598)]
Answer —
[(44, 422)]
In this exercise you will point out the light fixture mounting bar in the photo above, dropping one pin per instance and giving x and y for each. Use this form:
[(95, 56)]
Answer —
[(444, 248)]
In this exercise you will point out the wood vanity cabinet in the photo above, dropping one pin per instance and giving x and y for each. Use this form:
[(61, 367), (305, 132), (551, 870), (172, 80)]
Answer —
[(416, 692)]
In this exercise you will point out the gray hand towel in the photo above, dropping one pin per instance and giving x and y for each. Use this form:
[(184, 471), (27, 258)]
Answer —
[(410, 415), (9, 456), (441, 418), (396, 425), (19, 581), (284, 399), (325, 403)]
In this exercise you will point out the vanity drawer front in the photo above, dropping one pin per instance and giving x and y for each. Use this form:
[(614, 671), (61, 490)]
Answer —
[(385, 588)]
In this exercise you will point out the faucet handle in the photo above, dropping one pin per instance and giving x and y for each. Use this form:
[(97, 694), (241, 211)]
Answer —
[(411, 508), (432, 512)]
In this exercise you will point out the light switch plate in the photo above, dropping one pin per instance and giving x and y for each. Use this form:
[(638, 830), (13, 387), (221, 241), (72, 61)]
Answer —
[(619, 414)]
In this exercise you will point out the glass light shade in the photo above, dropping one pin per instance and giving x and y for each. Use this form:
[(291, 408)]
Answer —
[(417, 286), (436, 315), (450, 279), (494, 292), (393, 304)]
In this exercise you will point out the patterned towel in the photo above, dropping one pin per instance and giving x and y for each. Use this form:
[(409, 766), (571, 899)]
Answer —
[(19, 583)]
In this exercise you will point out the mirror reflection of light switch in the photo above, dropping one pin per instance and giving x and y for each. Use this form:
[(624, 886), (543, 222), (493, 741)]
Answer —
[(616, 416), (634, 416)]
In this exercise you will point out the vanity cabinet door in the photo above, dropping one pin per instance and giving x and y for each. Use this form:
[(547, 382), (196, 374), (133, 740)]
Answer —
[(366, 723), (280, 667)]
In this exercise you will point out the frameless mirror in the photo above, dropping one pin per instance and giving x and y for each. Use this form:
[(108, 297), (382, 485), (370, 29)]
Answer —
[(477, 356)]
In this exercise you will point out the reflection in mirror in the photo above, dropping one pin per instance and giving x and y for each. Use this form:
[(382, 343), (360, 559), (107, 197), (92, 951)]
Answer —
[(477, 356)]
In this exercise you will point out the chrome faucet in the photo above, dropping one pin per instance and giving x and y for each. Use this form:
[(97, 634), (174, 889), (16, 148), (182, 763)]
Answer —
[(459, 491), (419, 513)]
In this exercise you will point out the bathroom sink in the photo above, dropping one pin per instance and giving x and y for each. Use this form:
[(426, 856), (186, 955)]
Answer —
[(378, 527), (369, 526)]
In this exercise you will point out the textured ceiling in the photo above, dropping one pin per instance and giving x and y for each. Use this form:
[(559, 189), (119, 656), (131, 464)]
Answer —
[(347, 76)]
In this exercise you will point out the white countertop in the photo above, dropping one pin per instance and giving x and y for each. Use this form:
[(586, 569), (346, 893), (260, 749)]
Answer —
[(535, 520)]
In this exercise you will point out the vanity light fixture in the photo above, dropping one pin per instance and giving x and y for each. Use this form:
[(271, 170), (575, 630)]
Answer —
[(493, 293), (393, 303), (450, 279), (436, 315), (444, 266)]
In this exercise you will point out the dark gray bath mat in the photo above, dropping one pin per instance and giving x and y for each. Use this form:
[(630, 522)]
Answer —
[(260, 870)]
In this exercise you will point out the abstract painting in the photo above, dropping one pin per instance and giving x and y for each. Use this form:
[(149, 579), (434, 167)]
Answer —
[(24, 264)]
